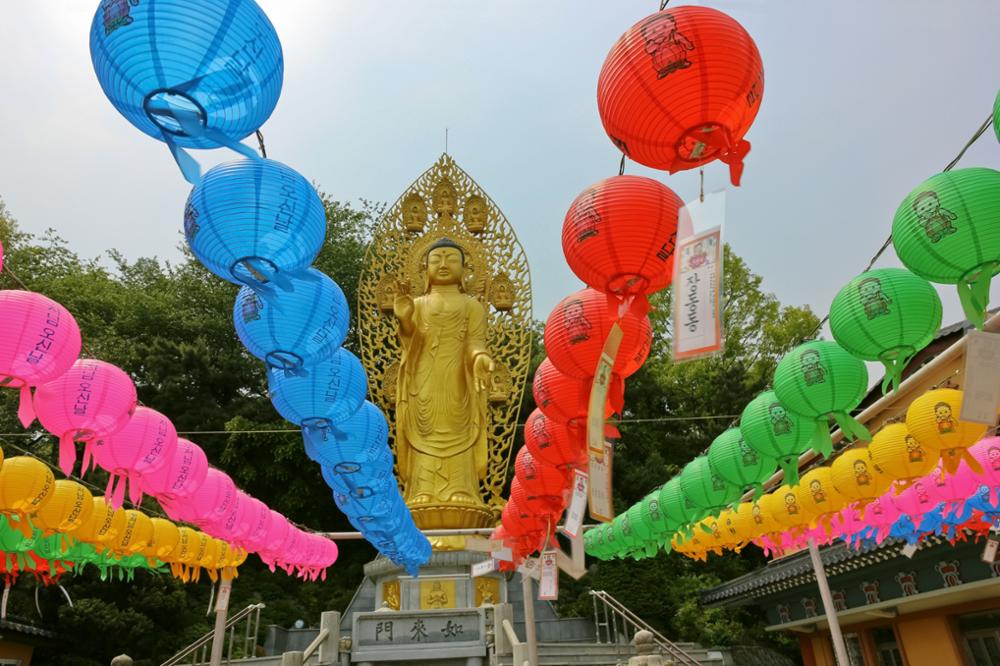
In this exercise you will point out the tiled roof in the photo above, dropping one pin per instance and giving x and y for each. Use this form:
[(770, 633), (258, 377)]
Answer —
[(795, 570), (25, 628)]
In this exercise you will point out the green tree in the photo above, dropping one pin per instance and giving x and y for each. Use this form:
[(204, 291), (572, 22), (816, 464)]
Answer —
[(170, 326)]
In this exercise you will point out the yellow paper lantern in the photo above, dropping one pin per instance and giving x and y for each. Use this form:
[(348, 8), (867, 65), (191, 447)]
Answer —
[(750, 521), (856, 476), (783, 509), (135, 533), (67, 510), (900, 456), (103, 525), (164, 539), (933, 420), (818, 497), (729, 537), (26, 484)]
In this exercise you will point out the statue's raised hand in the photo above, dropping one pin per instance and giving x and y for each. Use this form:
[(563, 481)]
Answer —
[(402, 304), (482, 366)]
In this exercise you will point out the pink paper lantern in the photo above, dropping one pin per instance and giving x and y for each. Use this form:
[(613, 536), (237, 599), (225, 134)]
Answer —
[(987, 453), (91, 400), (181, 476), (954, 489), (918, 499), (259, 517), (210, 503), (145, 445), (39, 341), (278, 530), (881, 513), (228, 526)]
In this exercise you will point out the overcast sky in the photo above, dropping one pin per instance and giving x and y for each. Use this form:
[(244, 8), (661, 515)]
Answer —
[(863, 100)]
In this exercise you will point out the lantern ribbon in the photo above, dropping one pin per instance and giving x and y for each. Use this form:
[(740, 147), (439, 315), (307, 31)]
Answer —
[(974, 293), (192, 124), (894, 367), (25, 408), (790, 466), (822, 441), (67, 453), (851, 427)]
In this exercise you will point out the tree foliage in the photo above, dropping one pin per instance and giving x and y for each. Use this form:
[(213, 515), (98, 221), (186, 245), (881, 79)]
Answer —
[(170, 326)]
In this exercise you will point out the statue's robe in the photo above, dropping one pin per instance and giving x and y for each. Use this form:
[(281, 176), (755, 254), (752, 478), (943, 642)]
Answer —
[(440, 416)]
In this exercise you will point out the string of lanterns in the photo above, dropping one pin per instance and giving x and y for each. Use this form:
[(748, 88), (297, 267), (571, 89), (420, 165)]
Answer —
[(207, 74), (94, 402), (680, 89), (924, 476)]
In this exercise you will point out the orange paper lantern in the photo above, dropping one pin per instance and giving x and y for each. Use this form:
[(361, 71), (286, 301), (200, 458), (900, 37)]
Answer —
[(681, 88)]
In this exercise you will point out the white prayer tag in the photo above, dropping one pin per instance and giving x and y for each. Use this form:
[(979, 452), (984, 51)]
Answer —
[(981, 390), (503, 554), (600, 485), (577, 505), (548, 587), (908, 550), (990, 552), (484, 567)]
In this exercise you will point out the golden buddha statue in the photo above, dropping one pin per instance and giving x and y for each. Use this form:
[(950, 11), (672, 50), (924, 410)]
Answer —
[(444, 321), (442, 385)]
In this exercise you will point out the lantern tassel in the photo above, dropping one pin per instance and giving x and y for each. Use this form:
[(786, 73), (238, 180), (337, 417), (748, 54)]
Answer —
[(790, 468), (894, 372), (851, 427), (758, 491), (135, 488), (734, 158), (118, 497), (67, 453), (25, 408), (970, 294), (822, 442)]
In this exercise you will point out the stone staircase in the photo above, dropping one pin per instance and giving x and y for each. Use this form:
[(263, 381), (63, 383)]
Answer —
[(603, 654)]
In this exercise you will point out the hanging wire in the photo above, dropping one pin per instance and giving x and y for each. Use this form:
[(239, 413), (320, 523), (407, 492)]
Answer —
[(260, 144), (663, 4), (621, 167)]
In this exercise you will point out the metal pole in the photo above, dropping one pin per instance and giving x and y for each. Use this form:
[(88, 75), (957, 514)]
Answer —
[(839, 648), (221, 613), (527, 590)]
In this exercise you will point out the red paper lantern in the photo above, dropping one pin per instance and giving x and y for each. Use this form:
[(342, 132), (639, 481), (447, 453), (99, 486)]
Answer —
[(577, 328), (681, 88), (562, 398), (553, 443), (545, 487), (619, 235)]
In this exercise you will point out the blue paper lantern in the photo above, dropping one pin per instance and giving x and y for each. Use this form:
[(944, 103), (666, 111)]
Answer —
[(357, 444), (331, 392), (254, 221), (191, 73), (295, 329)]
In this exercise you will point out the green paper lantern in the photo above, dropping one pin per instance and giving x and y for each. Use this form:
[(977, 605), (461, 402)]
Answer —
[(735, 461), (676, 512), (947, 230), (652, 525), (887, 315), (818, 380), (625, 537), (595, 542), (773, 430), (706, 490), (645, 539), (14, 546)]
